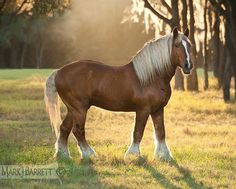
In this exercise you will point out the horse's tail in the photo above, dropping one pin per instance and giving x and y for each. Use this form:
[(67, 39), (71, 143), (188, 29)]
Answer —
[(52, 102)]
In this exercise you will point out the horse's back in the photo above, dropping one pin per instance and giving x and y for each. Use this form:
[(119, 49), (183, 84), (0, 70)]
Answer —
[(84, 65), (96, 82)]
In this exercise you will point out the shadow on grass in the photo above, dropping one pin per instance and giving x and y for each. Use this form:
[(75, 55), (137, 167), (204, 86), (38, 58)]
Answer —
[(165, 182), (187, 177), (159, 177), (81, 174)]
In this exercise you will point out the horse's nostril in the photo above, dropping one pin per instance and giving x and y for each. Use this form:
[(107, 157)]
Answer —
[(185, 65)]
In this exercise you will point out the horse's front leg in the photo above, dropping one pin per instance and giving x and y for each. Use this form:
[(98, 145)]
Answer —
[(140, 122), (161, 151)]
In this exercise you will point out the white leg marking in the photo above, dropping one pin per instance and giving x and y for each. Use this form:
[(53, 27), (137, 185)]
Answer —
[(87, 151), (133, 150), (61, 150), (162, 151), (186, 51)]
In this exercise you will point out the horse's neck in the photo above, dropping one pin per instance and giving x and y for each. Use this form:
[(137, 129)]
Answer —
[(169, 76), (165, 78)]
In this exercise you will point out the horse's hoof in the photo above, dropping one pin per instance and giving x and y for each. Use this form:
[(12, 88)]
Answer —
[(62, 156), (162, 152), (136, 159), (164, 157), (89, 153), (132, 152), (131, 156)]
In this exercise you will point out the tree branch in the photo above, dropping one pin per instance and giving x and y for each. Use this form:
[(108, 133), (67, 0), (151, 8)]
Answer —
[(20, 7), (165, 4), (154, 11), (217, 7)]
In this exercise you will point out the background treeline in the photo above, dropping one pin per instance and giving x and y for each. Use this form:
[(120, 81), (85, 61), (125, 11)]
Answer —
[(52, 33), (23, 31)]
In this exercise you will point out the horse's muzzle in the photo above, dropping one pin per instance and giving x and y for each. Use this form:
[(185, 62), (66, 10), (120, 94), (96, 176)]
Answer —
[(187, 67)]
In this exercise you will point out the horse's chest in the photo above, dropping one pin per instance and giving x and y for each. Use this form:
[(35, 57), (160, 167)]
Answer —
[(160, 98)]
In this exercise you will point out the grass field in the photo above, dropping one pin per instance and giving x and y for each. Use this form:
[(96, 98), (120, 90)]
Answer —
[(201, 132)]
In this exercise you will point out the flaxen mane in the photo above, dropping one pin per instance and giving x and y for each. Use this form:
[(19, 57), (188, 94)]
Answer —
[(154, 58)]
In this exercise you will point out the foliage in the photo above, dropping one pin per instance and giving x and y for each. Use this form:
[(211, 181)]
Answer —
[(50, 7), (22, 28)]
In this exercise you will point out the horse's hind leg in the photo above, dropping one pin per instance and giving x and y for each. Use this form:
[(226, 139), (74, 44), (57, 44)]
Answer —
[(79, 133), (61, 145)]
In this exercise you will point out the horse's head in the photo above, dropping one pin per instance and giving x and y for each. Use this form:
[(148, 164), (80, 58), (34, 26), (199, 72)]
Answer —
[(181, 51)]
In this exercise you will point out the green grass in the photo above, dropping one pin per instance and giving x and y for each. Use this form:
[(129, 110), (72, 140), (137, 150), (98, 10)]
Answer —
[(13, 74), (200, 72), (200, 131)]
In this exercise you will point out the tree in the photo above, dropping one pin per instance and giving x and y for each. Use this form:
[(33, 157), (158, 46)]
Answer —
[(229, 13), (192, 80), (206, 84), (22, 29)]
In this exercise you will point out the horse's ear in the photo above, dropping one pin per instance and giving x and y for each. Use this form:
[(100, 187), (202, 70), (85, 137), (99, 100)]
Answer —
[(175, 32), (186, 32)]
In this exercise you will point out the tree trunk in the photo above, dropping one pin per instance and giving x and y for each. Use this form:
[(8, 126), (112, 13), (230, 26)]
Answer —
[(230, 45), (234, 86), (223, 54), (13, 57), (184, 26), (2, 57), (7, 57), (206, 83), (210, 20), (22, 59), (175, 13), (39, 50), (227, 79), (233, 30), (192, 80), (184, 15), (37, 56), (216, 42), (230, 57), (41, 55), (229, 14), (179, 79)]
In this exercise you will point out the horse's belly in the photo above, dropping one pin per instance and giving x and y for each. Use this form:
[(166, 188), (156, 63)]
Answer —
[(116, 109), (113, 104)]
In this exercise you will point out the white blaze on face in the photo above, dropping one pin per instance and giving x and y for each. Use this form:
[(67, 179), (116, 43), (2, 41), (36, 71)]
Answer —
[(184, 43)]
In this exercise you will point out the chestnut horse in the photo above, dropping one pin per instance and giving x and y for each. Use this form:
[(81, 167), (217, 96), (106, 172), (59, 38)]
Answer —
[(142, 86)]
